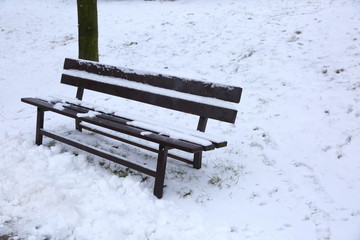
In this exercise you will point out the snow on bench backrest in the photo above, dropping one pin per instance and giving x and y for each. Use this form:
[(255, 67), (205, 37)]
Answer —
[(196, 97)]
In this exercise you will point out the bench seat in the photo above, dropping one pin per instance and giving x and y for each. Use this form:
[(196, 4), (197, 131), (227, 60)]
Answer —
[(187, 140)]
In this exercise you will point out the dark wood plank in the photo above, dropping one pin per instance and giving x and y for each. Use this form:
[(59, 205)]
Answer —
[(206, 89), (200, 109), (50, 107)]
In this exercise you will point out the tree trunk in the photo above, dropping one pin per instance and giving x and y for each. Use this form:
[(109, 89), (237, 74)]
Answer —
[(88, 30)]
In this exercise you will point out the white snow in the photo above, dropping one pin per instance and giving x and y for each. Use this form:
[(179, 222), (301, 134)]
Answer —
[(291, 167), (146, 133), (140, 72), (89, 114), (59, 106), (168, 132)]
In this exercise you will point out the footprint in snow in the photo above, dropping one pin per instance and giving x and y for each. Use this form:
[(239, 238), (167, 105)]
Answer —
[(308, 174), (321, 220)]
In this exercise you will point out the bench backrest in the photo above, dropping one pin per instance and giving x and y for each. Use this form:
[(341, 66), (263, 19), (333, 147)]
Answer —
[(208, 100)]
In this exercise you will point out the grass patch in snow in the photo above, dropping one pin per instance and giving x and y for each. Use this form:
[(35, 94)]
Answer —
[(226, 173)]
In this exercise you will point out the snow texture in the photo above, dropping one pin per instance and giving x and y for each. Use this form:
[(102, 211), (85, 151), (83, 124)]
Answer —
[(145, 73), (291, 167), (169, 132), (89, 114)]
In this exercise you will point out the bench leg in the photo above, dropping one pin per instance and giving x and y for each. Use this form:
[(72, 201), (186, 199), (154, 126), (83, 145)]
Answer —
[(197, 160), (39, 125), (79, 95), (160, 171), (77, 125), (198, 156)]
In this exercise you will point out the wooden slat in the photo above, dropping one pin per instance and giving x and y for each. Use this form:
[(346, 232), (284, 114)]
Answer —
[(205, 89), (133, 131), (200, 109), (50, 106)]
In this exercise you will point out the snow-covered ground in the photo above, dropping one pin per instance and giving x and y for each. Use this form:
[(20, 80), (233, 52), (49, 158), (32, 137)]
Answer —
[(292, 167)]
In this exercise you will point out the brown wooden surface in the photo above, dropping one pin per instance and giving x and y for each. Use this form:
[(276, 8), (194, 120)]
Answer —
[(187, 106)]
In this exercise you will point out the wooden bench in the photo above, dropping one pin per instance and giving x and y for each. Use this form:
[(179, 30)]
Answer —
[(206, 100)]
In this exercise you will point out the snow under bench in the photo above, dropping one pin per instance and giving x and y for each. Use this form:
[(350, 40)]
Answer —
[(203, 99)]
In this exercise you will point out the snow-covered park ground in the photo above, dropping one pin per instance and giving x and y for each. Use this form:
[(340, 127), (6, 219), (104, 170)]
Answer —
[(292, 166)]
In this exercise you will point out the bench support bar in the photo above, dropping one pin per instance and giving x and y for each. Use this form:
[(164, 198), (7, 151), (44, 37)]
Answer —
[(99, 153), (159, 174)]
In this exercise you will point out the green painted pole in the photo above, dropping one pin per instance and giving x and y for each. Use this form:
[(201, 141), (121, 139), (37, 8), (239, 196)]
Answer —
[(88, 30)]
